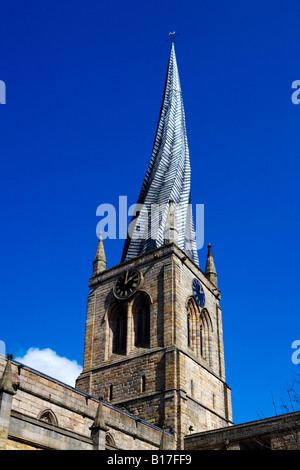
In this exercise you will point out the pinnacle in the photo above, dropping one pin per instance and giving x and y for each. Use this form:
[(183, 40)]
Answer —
[(99, 422), (171, 232), (99, 263), (210, 269), (163, 442), (6, 379)]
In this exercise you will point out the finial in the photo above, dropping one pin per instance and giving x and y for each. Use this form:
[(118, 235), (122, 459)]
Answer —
[(163, 441), (6, 379)]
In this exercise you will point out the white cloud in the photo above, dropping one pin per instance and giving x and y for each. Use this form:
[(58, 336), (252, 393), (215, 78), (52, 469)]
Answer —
[(48, 362), (2, 348)]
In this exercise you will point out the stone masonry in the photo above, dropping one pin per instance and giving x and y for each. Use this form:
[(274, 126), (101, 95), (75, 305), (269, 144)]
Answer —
[(43, 413), (183, 390)]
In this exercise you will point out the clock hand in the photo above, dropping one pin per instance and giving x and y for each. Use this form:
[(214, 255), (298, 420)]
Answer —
[(126, 280)]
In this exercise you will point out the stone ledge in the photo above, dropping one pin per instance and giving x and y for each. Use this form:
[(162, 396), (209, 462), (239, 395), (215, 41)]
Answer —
[(166, 349)]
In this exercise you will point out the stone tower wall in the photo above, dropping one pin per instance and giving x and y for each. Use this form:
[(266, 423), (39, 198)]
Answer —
[(182, 389)]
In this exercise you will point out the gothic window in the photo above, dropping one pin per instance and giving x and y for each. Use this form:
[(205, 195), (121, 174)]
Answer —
[(205, 328), (199, 329), (201, 339), (119, 344), (192, 324), (48, 417), (141, 319), (118, 328), (189, 329), (110, 442)]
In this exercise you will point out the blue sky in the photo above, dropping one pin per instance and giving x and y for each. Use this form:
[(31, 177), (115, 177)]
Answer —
[(84, 85)]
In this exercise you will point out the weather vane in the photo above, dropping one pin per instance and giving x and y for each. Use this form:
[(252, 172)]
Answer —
[(172, 36)]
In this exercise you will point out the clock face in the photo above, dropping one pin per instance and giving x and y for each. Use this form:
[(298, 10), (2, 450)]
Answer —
[(127, 284), (198, 293)]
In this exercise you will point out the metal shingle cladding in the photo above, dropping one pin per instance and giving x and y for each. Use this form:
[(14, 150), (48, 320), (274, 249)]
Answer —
[(168, 176)]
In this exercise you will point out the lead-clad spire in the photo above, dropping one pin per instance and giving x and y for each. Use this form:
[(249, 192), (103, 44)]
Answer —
[(168, 178)]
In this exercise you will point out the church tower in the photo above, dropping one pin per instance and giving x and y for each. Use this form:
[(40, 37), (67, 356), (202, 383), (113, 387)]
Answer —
[(154, 339)]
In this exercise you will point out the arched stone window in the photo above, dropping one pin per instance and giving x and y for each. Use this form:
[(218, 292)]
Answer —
[(205, 330), (141, 320), (189, 329), (110, 442), (199, 329), (192, 324), (118, 328), (202, 338), (48, 416)]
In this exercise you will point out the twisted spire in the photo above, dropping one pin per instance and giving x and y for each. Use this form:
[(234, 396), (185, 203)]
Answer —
[(168, 177)]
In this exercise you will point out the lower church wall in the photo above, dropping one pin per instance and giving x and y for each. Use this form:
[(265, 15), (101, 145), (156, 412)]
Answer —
[(70, 414)]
